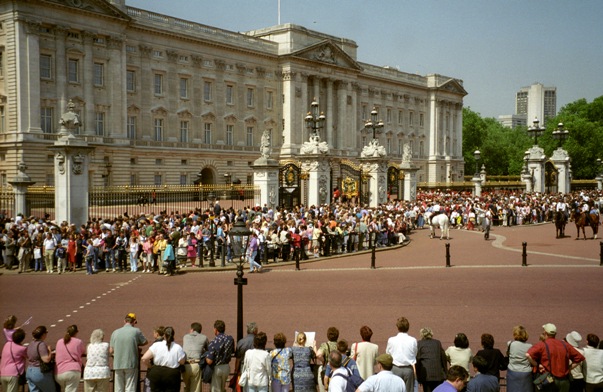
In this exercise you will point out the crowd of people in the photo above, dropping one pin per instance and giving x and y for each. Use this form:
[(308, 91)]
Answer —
[(166, 241), (552, 363)]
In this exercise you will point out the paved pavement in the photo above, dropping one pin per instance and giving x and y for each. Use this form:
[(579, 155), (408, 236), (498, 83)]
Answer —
[(485, 290)]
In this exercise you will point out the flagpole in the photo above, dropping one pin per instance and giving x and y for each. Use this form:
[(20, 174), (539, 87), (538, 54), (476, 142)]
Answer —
[(279, 12)]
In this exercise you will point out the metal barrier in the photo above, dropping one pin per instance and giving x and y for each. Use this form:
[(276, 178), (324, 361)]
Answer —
[(7, 201), (40, 201)]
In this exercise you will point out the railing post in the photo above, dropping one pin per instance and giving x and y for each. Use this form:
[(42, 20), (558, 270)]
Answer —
[(447, 254), (524, 255), (373, 256), (601, 254)]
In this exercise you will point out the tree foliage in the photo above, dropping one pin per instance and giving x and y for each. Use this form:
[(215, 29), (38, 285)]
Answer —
[(502, 149)]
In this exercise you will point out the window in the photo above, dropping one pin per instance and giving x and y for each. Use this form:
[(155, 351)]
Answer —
[(2, 120), (158, 85), (99, 74), (229, 135), (47, 119), (389, 145), (229, 94), (133, 179), (364, 113), (207, 133), (157, 180), (184, 131), (421, 120), (250, 97), (389, 116), (45, 66), (183, 88), (207, 93), (183, 179), (99, 124), (269, 100), (400, 117), (411, 118), (249, 138), (131, 81), (158, 129), (131, 127), (73, 74), (1, 64)]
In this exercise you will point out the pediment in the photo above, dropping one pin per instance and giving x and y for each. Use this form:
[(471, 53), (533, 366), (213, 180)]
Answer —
[(184, 113), (328, 53), (208, 116), (270, 123), (133, 109), (96, 6), (250, 120), (453, 86), (159, 110), (230, 118)]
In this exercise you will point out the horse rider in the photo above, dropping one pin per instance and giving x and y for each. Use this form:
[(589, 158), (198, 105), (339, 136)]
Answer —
[(435, 209), (562, 207)]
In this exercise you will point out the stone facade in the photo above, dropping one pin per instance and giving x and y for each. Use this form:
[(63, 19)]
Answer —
[(162, 99)]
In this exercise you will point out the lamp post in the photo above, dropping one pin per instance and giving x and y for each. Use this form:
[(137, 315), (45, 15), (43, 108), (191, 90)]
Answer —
[(239, 235), (374, 124), (314, 120), (561, 134), (600, 164), (477, 155), (535, 130)]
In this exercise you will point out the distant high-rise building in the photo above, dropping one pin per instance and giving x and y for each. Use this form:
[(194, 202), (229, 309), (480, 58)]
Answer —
[(534, 101)]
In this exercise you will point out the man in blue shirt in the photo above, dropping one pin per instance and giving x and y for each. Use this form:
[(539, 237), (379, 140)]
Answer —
[(219, 352), (482, 382), (456, 379)]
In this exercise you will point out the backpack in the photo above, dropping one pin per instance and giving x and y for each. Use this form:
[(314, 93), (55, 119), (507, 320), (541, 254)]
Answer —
[(352, 381)]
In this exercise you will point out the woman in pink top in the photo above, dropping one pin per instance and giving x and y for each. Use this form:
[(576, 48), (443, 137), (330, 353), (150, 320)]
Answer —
[(69, 351), (12, 364)]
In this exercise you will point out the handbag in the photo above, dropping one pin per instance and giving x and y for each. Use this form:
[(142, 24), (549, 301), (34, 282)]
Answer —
[(547, 378), (244, 378), (207, 373), (45, 367)]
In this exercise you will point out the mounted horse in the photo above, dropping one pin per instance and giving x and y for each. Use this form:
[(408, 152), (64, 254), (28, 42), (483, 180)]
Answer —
[(579, 218), (442, 222), (560, 220)]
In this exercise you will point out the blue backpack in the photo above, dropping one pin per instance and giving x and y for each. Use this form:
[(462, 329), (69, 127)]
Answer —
[(352, 381)]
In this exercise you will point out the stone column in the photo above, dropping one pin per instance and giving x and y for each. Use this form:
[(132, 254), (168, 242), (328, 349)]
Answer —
[(319, 177), (290, 115), (342, 126), (599, 179), (265, 175), (329, 121), (87, 82), (536, 161), (376, 169), (27, 97), (561, 160), (477, 186), (410, 181), (20, 184)]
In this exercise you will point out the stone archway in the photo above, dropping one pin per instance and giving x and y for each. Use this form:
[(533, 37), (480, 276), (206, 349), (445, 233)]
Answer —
[(208, 176)]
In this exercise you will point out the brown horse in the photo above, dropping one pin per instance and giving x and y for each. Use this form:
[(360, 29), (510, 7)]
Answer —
[(560, 220), (579, 219)]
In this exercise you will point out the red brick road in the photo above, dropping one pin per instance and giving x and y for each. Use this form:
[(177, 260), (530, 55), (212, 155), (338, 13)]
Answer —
[(485, 290)]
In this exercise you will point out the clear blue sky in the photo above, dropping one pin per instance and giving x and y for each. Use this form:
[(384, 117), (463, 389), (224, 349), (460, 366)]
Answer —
[(494, 46)]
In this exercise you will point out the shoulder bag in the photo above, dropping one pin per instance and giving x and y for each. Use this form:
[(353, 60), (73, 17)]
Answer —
[(546, 378), (45, 367)]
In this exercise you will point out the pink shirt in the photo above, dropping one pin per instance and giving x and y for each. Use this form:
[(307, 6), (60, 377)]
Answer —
[(13, 359), (69, 358)]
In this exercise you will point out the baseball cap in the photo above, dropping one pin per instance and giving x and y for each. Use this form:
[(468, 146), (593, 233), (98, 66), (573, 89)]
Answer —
[(549, 328), (386, 360), (131, 316)]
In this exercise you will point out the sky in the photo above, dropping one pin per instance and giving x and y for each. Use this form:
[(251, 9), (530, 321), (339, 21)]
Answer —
[(494, 46)]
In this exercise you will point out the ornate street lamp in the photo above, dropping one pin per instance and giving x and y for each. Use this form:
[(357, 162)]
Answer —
[(477, 155), (239, 235), (314, 120), (374, 124), (560, 134), (600, 165), (535, 130)]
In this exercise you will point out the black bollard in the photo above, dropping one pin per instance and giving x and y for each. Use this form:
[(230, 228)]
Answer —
[(524, 255), (447, 254), (296, 259), (223, 254), (601, 254), (373, 257)]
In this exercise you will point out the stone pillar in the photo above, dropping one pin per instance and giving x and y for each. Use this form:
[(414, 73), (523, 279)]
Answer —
[(599, 179), (561, 160), (410, 181), (319, 177), (290, 114), (71, 172), (20, 184), (536, 161), (265, 175), (477, 186), (329, 121), (376, 170)]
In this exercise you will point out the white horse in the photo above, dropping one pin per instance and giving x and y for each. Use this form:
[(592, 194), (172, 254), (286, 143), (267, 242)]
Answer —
[(443, 223)]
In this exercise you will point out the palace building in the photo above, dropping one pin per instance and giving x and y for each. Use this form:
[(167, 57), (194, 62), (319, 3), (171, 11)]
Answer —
[(170, 101)]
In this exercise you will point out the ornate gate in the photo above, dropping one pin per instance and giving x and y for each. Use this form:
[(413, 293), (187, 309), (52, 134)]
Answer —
[(551, 178), (352, 183), (393, 182), (289, 183)]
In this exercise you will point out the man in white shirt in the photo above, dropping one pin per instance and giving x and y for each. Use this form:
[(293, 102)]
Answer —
[(384, 380), (403, 349), (337, 384)]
